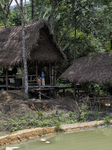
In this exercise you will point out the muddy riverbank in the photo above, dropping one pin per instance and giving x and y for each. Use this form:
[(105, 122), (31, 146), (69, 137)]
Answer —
[(27, 134)]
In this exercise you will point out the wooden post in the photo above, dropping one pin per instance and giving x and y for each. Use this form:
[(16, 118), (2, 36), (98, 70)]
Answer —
[(6, 79), (50, 72), (54, 93), (52, 75), (39, 94), (36, 70), (55, 75), (74, 90), (63, 92), (78, 93)]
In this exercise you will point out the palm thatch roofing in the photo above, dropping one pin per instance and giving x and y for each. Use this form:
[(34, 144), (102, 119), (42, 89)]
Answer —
[(40, 44), (94, 68)]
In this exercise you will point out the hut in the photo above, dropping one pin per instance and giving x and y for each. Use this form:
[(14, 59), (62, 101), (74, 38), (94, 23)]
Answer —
[(42, 53), (93, 68), (85, 72)]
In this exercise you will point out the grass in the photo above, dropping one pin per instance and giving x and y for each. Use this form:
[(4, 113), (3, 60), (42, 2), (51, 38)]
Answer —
[(29, 120)]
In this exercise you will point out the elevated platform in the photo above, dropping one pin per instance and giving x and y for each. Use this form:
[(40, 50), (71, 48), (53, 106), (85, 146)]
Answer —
[(48, 87)]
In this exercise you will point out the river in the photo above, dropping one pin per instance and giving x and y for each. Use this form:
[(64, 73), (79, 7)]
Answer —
[(95, 139)]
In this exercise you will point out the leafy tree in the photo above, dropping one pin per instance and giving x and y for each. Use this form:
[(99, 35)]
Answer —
[(15, 18), (5, 5)]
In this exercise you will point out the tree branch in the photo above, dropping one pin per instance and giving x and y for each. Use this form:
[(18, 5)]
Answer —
[(19, 7), (9, 6), (3, 9)]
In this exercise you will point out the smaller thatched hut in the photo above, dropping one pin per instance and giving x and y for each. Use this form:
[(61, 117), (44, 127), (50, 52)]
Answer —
[(94, 68)]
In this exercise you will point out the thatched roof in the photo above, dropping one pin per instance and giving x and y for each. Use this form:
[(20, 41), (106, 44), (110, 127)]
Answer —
[(94, 68), (40, 44)]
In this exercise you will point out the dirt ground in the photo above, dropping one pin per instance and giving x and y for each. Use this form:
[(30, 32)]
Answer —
[(11, 102)]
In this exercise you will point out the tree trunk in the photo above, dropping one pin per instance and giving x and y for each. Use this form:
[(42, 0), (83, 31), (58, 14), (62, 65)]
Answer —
[(52, 14), (75, 40), (110, 40), (32, 10), (24, 52), (24, 62), (24, 59), (6, 7), (6, 21), (26, 18)]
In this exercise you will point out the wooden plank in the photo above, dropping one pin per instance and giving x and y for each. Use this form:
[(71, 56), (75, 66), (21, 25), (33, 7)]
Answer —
[(32, 80)]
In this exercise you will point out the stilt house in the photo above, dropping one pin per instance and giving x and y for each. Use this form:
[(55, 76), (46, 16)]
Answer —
[(42, 54)]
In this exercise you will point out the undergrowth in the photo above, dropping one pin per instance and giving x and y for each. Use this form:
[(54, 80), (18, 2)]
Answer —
[(39, 119)]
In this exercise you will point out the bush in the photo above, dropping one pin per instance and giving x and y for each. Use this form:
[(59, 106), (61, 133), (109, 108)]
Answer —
[(57, 127), (84, 108), (71, 114), (107, 120)]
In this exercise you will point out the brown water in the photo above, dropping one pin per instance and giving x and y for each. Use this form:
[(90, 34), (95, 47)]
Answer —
[(97, 139)]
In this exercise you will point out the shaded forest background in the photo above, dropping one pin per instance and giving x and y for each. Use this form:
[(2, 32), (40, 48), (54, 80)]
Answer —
[(81, 27)]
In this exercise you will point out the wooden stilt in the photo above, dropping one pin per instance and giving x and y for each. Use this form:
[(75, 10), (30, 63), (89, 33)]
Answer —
[(78, 93), (52, 75), (54, 94), (6, 79), (55, 75), (74, 90), (50, 72), (63, 92), (36, 70)]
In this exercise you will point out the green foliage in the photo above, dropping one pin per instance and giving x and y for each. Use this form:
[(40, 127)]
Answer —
[(13, 123), (2, 25), (83, 116), (108, 47), (84, 108), (39, 113), (107, 120), (71, 114), (57, 127)]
